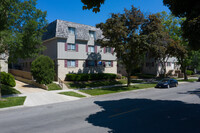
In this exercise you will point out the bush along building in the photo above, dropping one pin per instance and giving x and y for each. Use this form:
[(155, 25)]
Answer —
[(74, 49)]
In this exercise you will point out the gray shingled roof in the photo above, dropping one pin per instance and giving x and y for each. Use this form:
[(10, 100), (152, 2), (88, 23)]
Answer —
[(59, 28)]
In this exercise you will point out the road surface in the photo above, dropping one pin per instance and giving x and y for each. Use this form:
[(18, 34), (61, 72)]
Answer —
[(174, 110)]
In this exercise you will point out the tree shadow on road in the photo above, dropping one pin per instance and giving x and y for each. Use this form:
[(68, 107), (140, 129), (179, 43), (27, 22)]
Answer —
[(195, 92), (147, 116)]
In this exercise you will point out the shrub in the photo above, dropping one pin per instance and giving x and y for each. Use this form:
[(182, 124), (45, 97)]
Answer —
[(93, 76), (42, 69), (119, 76), (7, 79), (189, 72), (7, 90)]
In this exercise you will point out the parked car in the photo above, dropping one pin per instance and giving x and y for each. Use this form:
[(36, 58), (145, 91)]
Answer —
[(167, 83)]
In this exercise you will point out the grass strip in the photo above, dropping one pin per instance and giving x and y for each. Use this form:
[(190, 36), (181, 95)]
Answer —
[(189, 80), (71, 93), (103, 91), (53, 86), (11, 101)]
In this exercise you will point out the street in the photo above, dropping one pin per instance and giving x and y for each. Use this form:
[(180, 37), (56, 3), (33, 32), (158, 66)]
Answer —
[(173, 110)]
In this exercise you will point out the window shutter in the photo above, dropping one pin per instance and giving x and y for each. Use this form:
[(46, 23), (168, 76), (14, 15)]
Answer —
[(65, 63), (76, 63), (104, 50), (95, 49), (86, 48), (112, 51), (104, 64), (76, 47), (65, 46), (111, 63)]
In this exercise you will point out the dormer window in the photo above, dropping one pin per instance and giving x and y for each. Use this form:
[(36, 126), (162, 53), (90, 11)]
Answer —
[(71, 30), (92, 34)]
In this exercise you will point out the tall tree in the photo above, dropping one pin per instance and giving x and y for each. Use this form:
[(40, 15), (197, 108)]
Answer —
[(179, 47), (195, 63), (21, 28), (158, 41), (121, 32), (190, 9)]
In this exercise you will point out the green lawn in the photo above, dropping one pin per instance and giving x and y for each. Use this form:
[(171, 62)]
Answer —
[(189, 80), (88, 84), (71, 93), (53, 86), (103, 91), (6, 90), (12, 101)]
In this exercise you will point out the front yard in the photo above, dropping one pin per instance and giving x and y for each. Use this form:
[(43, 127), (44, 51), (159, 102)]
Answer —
[(103, 91), (10, 101), (89, 84)]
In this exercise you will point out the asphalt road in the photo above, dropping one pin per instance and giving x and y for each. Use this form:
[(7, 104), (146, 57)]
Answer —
[(174, 110)]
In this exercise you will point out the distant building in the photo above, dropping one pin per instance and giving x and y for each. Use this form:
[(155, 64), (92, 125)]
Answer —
[(151, 66), (74, 49), (4, 62)]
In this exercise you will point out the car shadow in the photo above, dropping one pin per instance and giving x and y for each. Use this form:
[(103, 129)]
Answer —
[(147, 116)]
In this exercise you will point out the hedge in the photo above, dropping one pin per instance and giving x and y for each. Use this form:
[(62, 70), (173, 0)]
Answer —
[(189, 72), (7, 79), (86, 77)]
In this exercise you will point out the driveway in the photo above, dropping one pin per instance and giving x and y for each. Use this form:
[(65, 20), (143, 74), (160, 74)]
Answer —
[(36, 96)]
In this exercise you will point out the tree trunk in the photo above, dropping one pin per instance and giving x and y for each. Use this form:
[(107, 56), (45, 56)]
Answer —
[(185, 74), (128, 79)]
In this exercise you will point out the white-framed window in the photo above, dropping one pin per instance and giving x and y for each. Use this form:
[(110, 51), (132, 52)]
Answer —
[(108, 64), (71, 30), (91, 49), (92, 34), (91, 63), (108, 50), (71, 47), (71, 63)]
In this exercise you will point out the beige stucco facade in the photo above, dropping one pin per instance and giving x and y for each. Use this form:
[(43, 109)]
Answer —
[(153, 67), (4, 62), (4, 66)]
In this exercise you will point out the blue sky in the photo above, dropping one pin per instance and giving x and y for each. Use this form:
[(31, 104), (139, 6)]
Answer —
[(71, 10)]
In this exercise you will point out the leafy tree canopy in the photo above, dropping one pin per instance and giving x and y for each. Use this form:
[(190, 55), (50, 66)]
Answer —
[(159, 41), (92, 4), (121, 32), (22, 26), (191, 26)]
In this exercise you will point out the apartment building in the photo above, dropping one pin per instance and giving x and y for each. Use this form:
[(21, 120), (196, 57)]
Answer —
[(151, 66), (74, 49)]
